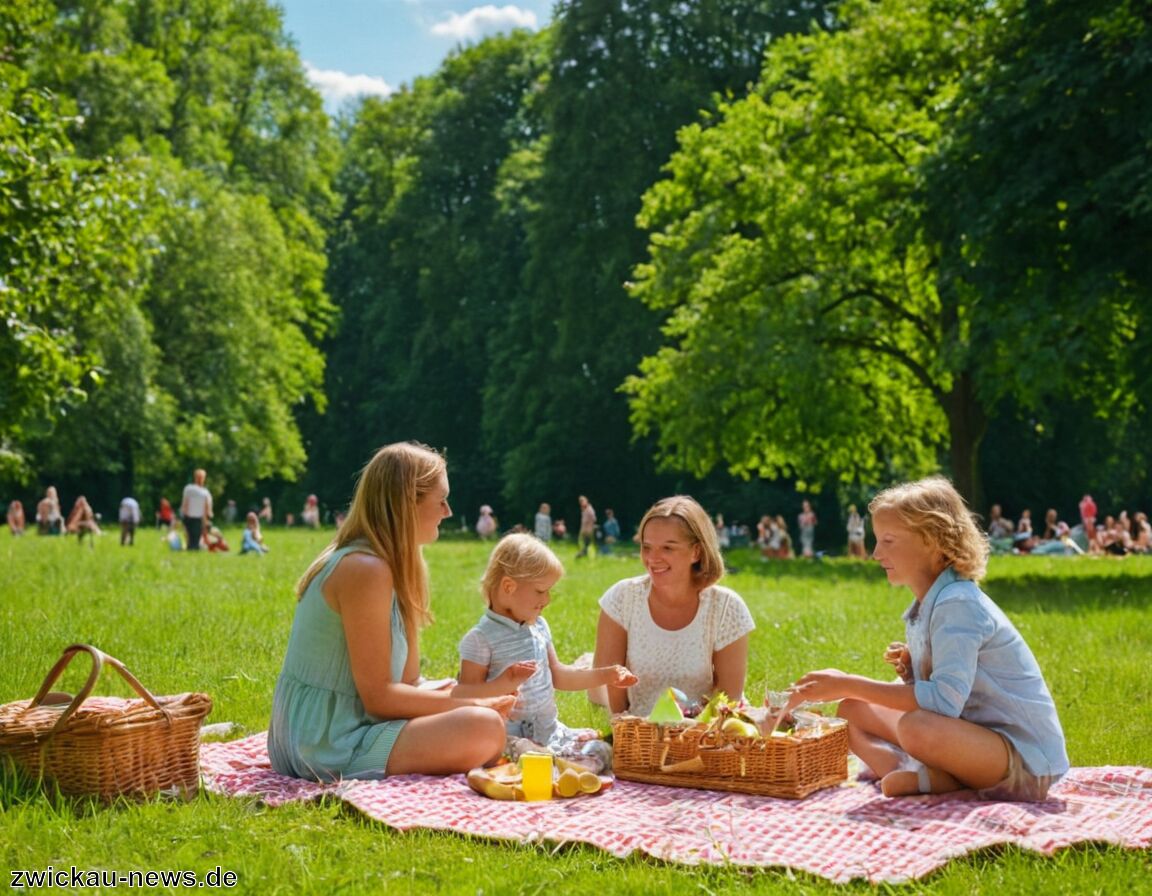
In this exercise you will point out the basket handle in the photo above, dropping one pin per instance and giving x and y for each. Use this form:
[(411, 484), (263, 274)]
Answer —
[(99, 658)]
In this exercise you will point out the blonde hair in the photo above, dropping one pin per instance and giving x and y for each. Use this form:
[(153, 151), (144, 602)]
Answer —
[(521, 557), (701, 531), (933, 508), (383, 513)]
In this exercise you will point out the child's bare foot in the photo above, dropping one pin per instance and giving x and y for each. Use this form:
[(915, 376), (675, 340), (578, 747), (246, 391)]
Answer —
[(904, 782)]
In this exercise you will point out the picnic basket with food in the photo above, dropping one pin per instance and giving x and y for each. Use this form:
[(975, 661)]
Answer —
[(105, 746), (734, 748)]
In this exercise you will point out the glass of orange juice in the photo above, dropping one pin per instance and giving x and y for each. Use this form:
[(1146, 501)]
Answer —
[(536, 769)]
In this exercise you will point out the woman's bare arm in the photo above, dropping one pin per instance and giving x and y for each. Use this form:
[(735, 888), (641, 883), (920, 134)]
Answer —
[(360, 590), (612, 650)]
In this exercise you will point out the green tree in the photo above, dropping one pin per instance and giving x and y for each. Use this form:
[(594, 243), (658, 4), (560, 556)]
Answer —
[(217, 334), (623, 77), (1041, 199), (228, 322), (424, 262), (67, 246), (809, 334)]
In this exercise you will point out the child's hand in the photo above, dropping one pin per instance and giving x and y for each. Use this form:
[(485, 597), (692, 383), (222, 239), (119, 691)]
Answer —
[(516, 674), (619, 677), (502, 705), (822, 686), (897, 655)]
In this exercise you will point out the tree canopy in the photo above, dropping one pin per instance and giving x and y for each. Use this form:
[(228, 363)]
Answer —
[(803, 246), (170, 285), (741, 249)]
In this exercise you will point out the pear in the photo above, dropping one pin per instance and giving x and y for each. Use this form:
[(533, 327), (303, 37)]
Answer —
[(739, 728), (712, 709), (666, 711)]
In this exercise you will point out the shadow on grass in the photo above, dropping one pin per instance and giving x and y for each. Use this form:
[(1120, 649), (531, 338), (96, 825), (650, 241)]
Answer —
[(1057, 594)]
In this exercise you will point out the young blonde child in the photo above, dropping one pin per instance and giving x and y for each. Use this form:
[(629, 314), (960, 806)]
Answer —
[(252, 541), (510, 651), (971, 708)]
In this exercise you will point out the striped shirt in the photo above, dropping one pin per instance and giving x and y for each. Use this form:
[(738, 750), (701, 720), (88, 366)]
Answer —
[(496, 642)]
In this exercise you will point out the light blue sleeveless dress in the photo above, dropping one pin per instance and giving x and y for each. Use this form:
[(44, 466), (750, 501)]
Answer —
[(319, 728)]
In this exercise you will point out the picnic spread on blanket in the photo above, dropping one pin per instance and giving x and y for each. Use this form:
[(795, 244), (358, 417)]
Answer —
[(841, 833)]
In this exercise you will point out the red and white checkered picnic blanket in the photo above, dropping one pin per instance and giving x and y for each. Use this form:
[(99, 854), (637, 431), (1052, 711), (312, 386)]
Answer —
[(841, 833)]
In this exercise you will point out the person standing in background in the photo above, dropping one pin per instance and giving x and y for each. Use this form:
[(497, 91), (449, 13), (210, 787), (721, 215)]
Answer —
[(129, 520), (310, 515), (611, 529), (856, 534), (487, 524), (196, 508), (542, 525), (586, 539), (807, 523)]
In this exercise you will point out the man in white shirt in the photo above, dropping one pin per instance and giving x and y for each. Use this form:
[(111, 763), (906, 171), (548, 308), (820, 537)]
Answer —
[(196, 508), (129, 519)]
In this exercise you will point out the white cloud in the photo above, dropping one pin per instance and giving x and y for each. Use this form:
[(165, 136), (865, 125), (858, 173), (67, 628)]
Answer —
[(482, 20), (336, 87)]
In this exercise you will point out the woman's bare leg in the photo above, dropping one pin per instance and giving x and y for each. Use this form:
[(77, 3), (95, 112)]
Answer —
[(448, 742)]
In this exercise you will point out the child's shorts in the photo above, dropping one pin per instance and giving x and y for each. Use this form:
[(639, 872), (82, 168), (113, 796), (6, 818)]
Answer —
[(1019, 784)]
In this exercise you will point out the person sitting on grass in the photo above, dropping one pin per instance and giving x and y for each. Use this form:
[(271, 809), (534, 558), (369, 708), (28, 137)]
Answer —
[(675, 626), (510, 651), (16, 517), (173, 538), (252, 541), (348, 701), (971, 707), (213, 539), (82, 521)]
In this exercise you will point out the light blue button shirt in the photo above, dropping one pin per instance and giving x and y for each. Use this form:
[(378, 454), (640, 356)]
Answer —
[(969, 662)]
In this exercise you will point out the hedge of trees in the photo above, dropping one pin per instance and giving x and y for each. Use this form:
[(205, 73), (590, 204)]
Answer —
[(737, 248)]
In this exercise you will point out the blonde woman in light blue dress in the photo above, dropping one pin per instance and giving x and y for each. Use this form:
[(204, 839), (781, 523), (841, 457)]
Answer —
[(348, 702)]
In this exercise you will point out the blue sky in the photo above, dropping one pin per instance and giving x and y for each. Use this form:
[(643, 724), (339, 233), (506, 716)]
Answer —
[(356, 47)]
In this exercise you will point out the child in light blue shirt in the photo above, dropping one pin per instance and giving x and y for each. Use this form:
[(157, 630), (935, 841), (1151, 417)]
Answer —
[(971, 708)]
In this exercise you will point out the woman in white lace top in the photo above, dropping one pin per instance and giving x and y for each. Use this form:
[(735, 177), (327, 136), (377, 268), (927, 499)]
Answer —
[(674, 626)]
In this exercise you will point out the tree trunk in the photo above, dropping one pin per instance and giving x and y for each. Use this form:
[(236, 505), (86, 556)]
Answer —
[(128, 470), (967, 423)]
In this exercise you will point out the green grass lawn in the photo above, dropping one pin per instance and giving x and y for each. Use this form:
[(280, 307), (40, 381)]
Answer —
[(219, 623)]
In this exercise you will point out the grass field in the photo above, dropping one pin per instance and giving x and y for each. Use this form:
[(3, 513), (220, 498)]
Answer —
[(219, 623)]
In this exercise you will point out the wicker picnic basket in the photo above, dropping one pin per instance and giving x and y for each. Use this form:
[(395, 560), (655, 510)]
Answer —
[(687, 755), (108, 746)]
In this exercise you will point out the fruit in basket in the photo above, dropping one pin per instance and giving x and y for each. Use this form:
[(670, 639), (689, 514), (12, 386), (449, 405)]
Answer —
[(666, 710), (738, 727), (712, 709)]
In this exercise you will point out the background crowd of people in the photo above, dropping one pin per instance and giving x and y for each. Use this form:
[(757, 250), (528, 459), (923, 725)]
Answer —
[(1119, 534), (189, 526)]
